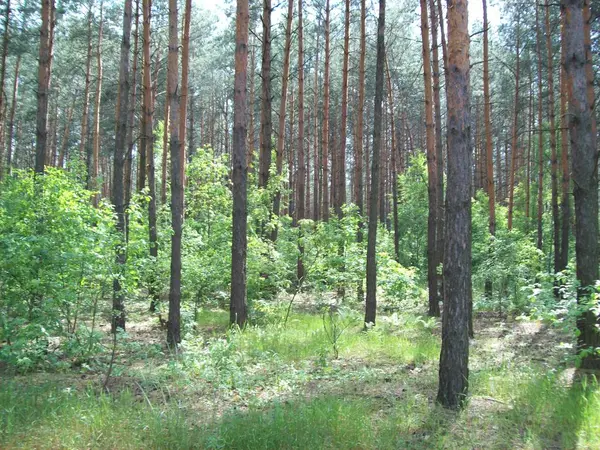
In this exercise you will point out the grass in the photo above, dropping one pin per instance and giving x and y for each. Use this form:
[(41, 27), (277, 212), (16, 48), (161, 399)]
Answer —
[(278, 387)]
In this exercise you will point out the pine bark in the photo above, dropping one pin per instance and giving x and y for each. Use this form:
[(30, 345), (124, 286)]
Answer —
[(340, 190), (118, 195), (432, 169), (184, 100), (585, 178), (487, 118), (540, 200), (94, 173), (454, 357), (43, 84), (371, 300), (266, 124), (174, 323), (515, 127), (131, 114), (281, 131), (301, 172), (553, 157), (238, 310), (325, 136), (564, 157)]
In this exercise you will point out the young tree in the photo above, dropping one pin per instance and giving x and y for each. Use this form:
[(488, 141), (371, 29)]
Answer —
[(585, 180), (118, 197), (454, 357), (238, 311), (371, 301)]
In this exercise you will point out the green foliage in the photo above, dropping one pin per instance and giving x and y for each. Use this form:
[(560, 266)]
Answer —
[(56, 266)]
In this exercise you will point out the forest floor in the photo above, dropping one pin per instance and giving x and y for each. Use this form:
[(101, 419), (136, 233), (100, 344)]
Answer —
[(281, 386)]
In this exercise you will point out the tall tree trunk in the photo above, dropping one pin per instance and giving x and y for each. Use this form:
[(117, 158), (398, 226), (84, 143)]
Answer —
[(165, 150), (118, 197), (371, 301), (454, 357), (432, 169), (540, 196), (564, 156), (439, 146), (93, 175), (530, 125), (131, 116), (325, 137), (174, 323), (515, 128), (316, 165), (11, 121), (5, 41), (83, 151), (147, 148), (394, 152), (284, 88), (589, 69), (266, 124), (554, 159), (238, 310), (585, 179), (340, 189), (43, 87), (301, 180), (185, 77), (487, 118), (251, 137)]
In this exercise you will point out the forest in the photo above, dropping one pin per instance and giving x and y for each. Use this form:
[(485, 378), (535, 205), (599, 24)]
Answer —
[(304, 224)]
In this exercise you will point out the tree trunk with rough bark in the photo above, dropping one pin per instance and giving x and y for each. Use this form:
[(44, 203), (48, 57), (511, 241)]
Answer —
[(238, 312), (454, 357)]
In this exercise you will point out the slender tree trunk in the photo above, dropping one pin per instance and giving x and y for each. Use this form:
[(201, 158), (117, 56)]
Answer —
[(174, 323), (316, 165), (325, 137), (487, 118), (554, 159), (5, 41), (439, 146), (394, 152), (238, 310), (147, 148), (454, 357), (43, 88), (93, 176), (83, 152), (515, 129), (118, 197), (282, 105), (530, 125), (564, 156), (185, 77), (432, 169), (371, 301), (585, 179), (266, 125), (540, 196), (340, 189), (11, 122), (165, 150), (301, 180), (131, 117), (251, 137)]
